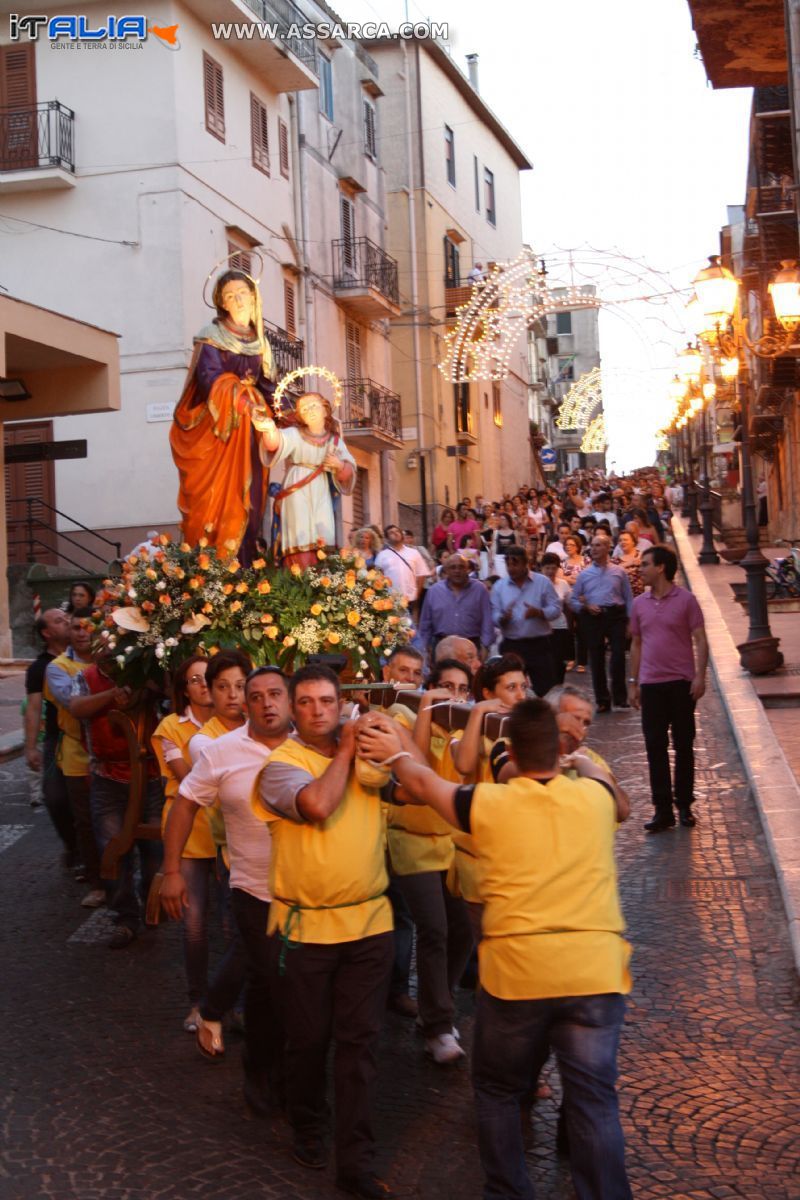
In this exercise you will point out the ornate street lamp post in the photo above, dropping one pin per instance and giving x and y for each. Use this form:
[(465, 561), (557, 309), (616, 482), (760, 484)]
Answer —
[(726, 334)]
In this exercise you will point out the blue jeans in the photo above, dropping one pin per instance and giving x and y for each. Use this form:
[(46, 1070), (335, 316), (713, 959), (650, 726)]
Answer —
[(511, 1041), (197, 875), (108, 799)]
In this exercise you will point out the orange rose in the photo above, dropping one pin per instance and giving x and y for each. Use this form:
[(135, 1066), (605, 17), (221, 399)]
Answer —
[(369, 593), (203, 542), (164, 599), (148, 606), (272, 632), (227, 589), (185, 547), (203, 561), (376, 641), (259, 564), (233, 565), (321, 555), (212, 650), (165, 539), (353, 617), (263, 588), (296, 570), (237, 604), (208, 608), (231, 544), (326, 581), (266, 618), (316, 609), (194, 583), (288, 641), (333, 638), (150, 573), (241, 587)]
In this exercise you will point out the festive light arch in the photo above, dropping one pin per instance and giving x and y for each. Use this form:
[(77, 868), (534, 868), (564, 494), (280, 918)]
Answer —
[(595, 440), (581, 401)]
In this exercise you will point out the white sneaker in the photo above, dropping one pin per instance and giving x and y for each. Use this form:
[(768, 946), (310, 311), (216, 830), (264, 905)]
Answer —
[(443, 1049), (94, 899)]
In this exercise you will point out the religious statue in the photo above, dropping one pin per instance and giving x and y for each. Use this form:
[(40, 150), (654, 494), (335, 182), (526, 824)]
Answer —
[(214, 438), (309, 442)]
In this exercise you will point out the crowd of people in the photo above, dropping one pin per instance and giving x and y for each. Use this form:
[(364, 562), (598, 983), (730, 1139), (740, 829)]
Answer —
[(339, 829)]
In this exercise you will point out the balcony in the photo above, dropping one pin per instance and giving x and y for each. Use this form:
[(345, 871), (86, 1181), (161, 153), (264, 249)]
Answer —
[(36, 147), (365, 278), (371, 416), (289, 64), (287, 352), (455, 298)]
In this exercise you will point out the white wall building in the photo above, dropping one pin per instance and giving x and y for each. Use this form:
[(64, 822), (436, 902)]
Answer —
[(170, 159)]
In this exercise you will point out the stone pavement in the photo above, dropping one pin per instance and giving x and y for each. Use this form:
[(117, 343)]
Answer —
[(104, 1097), (767, 737)]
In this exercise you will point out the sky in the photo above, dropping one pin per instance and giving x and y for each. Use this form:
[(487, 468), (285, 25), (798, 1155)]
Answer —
[(634, 156)]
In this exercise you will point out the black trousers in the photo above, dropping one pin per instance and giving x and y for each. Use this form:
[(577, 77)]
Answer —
[(263, 1022), (608, 626), (537, 654), (56, 797), (335, 991), (665, 707), (563, 649)]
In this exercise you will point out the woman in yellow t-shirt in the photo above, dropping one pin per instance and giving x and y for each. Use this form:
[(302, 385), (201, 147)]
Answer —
[(420, 852), (191, 704)]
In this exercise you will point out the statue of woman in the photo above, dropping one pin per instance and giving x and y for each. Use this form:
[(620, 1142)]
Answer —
[(215, 442), (310, 444)]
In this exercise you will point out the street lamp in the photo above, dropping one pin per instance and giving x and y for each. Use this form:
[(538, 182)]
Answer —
[(700, 390), (727, 335)]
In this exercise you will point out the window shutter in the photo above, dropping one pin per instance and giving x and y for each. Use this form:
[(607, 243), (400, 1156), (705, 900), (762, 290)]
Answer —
[(259, 134), (19, 128), (289, 308), (23, 481), (214, 97), (370, 143), (238, 257), (359, 493), (283, 147), (348, 233), (352, 351)]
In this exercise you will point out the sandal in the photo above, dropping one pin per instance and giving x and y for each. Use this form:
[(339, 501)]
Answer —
[(192, 1020), (209, 1039)]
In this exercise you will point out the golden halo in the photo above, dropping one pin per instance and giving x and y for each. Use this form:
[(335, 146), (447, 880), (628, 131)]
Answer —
[(300, 373), (227, 260)]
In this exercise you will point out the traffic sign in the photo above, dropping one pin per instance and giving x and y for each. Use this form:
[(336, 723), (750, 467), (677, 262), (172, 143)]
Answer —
[(547, 455)]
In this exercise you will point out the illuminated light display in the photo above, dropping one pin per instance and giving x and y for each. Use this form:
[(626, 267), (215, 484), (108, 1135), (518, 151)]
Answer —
[(595, 440), (301, 373), (581, 401)]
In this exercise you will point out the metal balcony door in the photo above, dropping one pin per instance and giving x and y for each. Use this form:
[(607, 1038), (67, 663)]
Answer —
[(28, 481), (18, 117), (348, 219)]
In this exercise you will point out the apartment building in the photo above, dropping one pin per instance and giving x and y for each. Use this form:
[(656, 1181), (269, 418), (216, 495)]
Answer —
[(127, 174), (453, 200), (573, 351)]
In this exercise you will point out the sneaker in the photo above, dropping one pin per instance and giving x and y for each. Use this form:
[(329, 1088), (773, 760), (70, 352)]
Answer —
[(443, 1049), (192, 1021), (96, 898)]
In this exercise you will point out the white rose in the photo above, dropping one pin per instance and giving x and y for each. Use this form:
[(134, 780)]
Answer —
[(160, 650), (160, 585), (121, 660), (132, 593)]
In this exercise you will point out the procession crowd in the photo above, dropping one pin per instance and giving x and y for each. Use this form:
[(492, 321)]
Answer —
[(341, 829)]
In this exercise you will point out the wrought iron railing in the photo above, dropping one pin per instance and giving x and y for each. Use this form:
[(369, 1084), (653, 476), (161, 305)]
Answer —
[(369, 405), (37, 136), (287, 351), (286, 14), (32, 530), (359, 262)]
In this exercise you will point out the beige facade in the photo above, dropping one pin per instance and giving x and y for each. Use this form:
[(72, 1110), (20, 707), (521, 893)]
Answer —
[(453, 200)]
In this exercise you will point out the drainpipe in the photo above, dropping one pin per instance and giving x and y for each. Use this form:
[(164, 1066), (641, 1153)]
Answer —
[(412, 252), (301, 221)]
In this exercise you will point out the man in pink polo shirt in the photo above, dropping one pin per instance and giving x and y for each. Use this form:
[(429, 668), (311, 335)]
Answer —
[(669, 658)]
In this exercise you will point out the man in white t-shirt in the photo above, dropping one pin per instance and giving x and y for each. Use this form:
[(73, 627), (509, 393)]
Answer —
[(404, 565), (557, 547), (223, 779)]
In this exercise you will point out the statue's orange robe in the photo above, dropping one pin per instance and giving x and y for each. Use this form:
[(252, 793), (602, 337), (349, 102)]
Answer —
[(223, 484)]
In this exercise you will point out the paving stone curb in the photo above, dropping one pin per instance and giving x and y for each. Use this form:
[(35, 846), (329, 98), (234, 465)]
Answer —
[(775, 789)]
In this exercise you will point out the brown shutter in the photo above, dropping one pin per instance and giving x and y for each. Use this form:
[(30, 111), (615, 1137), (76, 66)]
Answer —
[(29, 481), (238, 257), (283, 147), (214, 97), (348, 234), (352, 350), (370, 146), (259, 134), (18, 123), (359, 493), (288, 301)]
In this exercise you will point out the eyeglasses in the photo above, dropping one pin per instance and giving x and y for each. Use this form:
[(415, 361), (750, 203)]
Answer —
[(196, 679)]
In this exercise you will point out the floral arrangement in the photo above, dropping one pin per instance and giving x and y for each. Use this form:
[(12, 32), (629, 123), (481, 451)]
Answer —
[(182, 600)]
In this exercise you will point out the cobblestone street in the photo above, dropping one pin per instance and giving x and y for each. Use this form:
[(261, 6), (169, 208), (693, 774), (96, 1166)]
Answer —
[(103, 1095)]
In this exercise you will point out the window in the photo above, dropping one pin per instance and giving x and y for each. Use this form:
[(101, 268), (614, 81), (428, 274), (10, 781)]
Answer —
[(348, 221), (283, 147), (463, 414), (326, 86), (19, 138), (566, 369), (497, 412), (259, 134), (289, 307), (477, 174), (488, 196), (360, 498), (239, 253), (450, 154), (214, 97), (452, 276), (352, 345), (564, 322), (370, 140)]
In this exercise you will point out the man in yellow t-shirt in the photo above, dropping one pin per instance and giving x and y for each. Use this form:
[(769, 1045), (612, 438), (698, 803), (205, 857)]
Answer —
[(553, 961), (331, 926)]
